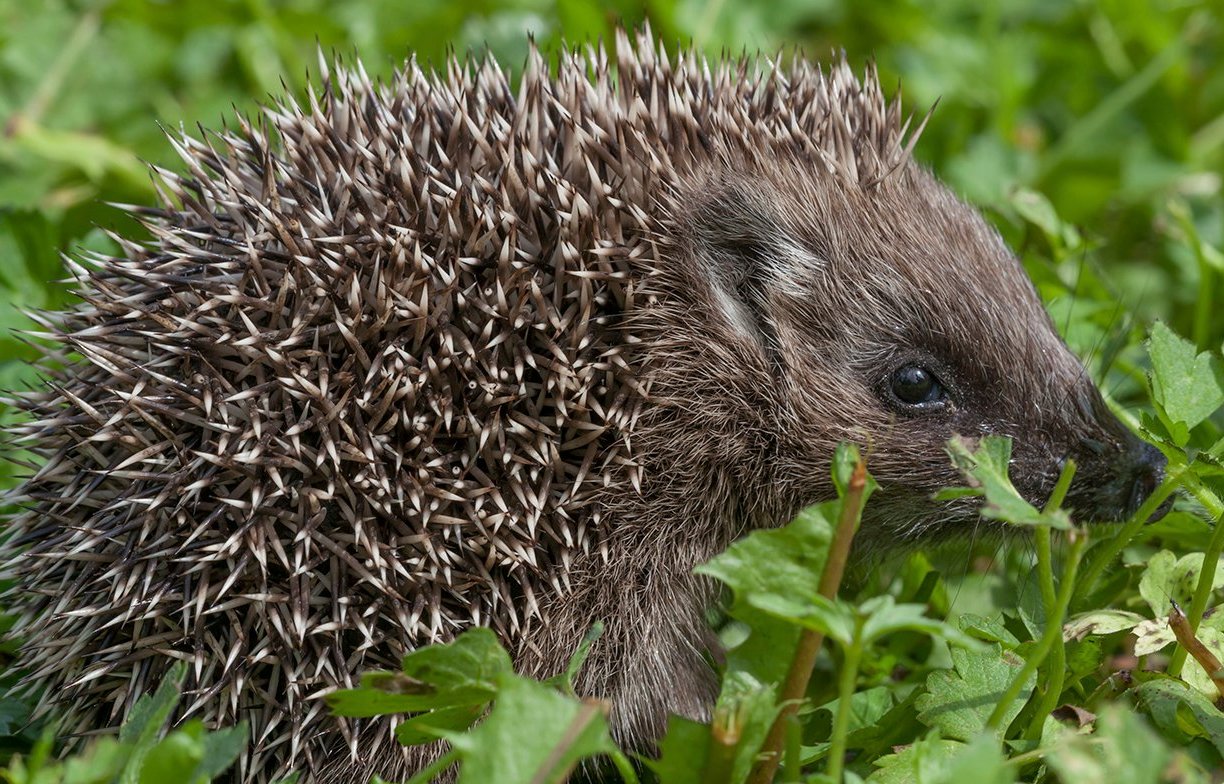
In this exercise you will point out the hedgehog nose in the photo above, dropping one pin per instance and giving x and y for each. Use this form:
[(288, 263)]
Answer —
[(1147, 472)]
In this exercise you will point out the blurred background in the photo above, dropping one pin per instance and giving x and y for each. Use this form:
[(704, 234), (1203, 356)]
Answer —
[(1092, 133)]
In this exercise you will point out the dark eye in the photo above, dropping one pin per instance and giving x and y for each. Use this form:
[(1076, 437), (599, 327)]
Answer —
[(914, 385)]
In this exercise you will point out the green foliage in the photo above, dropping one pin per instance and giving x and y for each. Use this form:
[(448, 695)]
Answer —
[(525, 731), (1187, 386), (986, 470), (1090, 133), (144, 752)]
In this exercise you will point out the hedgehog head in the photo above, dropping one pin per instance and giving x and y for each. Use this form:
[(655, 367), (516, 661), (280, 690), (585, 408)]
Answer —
[(875, 307)]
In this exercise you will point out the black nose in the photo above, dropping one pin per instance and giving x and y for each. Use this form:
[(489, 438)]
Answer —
[(1147, 472)]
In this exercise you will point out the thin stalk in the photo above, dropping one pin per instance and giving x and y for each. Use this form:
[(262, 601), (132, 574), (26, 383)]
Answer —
[(794, 749), (1195, 647), (800, 672), (841, 725), (1056, 668), (1056, 676), (1104, 553), (725, 731), (1206, 578), (623, 766), (1051, 635)]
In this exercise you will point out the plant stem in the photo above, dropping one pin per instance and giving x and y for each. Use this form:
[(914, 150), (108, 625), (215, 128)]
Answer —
[(1055, 669), (1104, 553), (1206, 577), (794, 749), (841, 726), (800, 672), (623, 766), (725, 732), (1192, 645), (1051, 635)]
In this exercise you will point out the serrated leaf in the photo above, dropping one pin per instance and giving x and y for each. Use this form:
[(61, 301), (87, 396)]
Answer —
[(958, 702), (1121, 750), (463, 672), (1187, 386), (920, 761), (986, 471), (508, 749), (1169, 578)]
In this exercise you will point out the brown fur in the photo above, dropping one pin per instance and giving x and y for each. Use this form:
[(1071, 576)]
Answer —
[(528, 360)]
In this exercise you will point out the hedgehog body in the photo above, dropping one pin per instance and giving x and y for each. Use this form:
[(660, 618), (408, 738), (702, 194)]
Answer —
[(414, 357)]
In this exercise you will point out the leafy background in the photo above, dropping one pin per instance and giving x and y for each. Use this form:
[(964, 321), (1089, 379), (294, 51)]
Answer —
[(1112, 110), (1091, 133)]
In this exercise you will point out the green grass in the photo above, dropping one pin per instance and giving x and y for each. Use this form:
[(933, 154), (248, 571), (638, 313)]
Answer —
[(1092, 134)]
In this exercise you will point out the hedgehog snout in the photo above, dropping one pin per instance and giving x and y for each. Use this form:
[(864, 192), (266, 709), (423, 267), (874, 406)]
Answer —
[(1114, 482)]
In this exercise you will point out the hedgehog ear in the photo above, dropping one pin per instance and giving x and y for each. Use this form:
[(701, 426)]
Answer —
[(747, 255)]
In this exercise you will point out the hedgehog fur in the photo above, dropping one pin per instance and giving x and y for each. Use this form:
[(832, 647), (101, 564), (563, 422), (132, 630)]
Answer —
[(441, 352)]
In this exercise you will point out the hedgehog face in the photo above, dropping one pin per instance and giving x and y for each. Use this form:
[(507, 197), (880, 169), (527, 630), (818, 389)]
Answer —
[(892, 315)]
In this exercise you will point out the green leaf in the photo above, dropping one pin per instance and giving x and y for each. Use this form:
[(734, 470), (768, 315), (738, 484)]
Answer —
[(986, 471), (148, 720), (958, 702), (919, 762), (1179, 712), (758, 652), (1169, 578), (175, 758), (981, 762), (100, 763), (988, 629), (743, 714), (683, 752), (221, 750), (1121, 750), (1187, 386), (460, 673), (795, 554), (867, 709), (149, 715), (1098, 622), (883, 616), (428, 727), (833, 618), (509, 749)]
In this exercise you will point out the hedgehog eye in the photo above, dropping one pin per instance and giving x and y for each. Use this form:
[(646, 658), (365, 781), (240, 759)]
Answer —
[(915, 386)]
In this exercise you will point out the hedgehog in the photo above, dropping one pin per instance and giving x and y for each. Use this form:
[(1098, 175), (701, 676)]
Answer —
[(414, 356)]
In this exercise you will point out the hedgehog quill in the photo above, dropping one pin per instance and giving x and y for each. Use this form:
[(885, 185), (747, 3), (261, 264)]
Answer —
[(408, 358)]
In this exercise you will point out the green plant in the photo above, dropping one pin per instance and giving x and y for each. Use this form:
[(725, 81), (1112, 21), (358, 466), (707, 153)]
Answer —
[(143, 753)]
